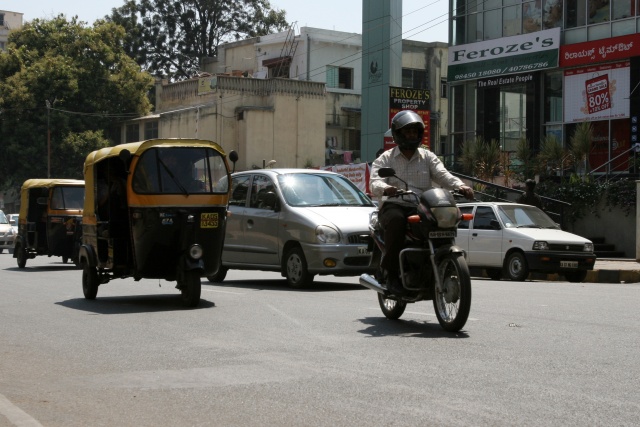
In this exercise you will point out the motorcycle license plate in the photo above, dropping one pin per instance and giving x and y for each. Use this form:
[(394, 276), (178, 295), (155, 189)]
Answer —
[(569, 264), (441, 234), (362, 250)]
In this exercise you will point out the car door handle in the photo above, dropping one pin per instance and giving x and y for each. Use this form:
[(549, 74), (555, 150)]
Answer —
[(250, 223), (474, 234)]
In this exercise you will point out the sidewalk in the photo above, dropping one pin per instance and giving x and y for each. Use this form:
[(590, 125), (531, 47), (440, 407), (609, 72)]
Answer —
[(610, 270)]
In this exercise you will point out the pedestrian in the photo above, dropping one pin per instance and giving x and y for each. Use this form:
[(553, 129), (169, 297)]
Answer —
[(420, 168), (529, 197)]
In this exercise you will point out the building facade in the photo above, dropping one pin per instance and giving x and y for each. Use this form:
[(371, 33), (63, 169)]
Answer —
[(530, 69), (292, 98), (9, 21)]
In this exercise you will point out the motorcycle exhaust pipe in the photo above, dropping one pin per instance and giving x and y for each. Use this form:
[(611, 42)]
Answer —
[(371, 283)]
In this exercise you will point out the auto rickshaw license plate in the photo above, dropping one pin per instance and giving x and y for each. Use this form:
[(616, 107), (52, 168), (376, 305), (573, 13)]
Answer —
[(569, 264), (209, 220)]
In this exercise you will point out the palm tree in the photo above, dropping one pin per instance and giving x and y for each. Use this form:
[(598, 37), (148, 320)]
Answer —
[(581, 145)]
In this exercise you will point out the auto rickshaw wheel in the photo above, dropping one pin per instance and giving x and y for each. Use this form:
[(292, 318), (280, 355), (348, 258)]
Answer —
[(65, 259), (21, 256), (89, 281), (190, 288)]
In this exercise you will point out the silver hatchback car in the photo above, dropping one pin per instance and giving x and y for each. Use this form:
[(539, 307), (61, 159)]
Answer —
[(300, 222)]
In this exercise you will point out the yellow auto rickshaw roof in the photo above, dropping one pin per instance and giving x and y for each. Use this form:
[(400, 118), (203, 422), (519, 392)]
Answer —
[(51, 182), (137, 148)]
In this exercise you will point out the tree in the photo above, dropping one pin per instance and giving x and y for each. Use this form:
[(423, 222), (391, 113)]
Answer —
[(76, 82), (581, 146), (169, 38)]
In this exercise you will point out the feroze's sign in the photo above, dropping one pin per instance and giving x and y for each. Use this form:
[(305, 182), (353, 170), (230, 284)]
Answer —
[(508, 55), (209, 220)]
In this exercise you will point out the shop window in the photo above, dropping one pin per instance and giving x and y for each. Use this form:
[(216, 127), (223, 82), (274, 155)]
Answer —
[(416, 79), (531, 16), (553, 97), (598, 11), (511, 24), (576, 13), (552, 14), (491, 30)]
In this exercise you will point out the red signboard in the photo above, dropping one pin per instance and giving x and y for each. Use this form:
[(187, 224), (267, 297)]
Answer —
[(611, 49), (417, 100)]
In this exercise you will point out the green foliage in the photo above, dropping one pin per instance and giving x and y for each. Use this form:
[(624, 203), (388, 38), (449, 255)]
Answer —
[(622, 194), (73, 81), (551, 156), (169, 38), (581, 145), (481, 158)]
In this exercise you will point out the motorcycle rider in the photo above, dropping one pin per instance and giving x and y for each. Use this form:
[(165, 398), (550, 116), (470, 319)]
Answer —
[(420, 168)]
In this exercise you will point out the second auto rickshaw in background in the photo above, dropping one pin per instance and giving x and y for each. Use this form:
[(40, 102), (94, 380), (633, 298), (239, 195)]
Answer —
[(50, 219), (155, 210)]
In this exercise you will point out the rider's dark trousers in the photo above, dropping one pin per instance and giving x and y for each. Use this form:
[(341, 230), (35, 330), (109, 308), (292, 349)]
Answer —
[(393, 218)]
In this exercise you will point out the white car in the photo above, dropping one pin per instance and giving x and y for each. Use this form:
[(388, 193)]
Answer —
[(300, 222), (7, 234), (511, 240)]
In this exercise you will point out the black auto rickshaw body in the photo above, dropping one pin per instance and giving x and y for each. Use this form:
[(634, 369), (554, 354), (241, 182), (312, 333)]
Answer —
[(155, 210), (50, 219)]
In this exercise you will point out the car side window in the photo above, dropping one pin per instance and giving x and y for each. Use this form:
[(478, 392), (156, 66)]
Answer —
[(465, 210), (239, 190), (483, 217), (259, 188)]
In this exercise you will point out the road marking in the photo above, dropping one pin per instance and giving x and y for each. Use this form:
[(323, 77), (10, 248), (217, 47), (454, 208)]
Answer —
[(15, 415), (285, 315)]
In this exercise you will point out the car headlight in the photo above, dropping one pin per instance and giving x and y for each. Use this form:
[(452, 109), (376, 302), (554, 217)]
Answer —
[(326, 234), (588, 247), (539, 245), (195, 252), (10, 232)]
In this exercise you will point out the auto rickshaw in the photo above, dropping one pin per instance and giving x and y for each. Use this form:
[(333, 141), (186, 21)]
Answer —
[(50, 219), (155, 209)]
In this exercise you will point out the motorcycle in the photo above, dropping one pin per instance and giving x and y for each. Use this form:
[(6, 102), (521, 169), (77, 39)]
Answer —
[(432, 267)]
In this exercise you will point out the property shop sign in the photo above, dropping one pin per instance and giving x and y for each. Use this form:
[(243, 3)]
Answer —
[(418, 100), (508, 55)]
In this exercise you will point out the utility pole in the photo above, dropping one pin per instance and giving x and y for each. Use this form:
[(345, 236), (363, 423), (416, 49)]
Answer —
[(49, 105)]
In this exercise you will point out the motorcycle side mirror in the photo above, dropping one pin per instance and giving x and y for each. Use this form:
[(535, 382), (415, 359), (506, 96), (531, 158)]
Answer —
[(386, 172)]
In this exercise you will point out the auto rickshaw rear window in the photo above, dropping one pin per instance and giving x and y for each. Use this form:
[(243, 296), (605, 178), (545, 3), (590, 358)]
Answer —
[(67, 198), (180, 170)]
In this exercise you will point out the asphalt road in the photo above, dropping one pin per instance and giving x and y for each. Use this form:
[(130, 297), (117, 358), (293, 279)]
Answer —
[(256, 353)]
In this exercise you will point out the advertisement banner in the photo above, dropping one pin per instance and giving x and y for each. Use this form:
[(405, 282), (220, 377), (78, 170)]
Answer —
[(356, 173), (507, 55), (597, 93), (418, 100)]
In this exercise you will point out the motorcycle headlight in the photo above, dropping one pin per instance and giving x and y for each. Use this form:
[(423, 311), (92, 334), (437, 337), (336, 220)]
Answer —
[(446, 217), (195, 252), (539, 245), (588, 247), (326, 234)]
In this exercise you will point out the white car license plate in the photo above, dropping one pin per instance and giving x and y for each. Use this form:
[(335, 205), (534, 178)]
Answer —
[(569, 264), (441, 234), (362, 250)]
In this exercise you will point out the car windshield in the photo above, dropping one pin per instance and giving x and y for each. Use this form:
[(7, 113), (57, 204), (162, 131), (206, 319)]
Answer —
[(309, 189), (522, 216)]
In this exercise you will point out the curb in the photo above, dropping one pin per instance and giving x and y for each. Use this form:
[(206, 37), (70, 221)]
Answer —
[(593, 276)]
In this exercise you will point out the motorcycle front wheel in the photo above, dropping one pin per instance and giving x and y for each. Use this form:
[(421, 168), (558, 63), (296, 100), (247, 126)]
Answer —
[(452, 301), (391, 308)]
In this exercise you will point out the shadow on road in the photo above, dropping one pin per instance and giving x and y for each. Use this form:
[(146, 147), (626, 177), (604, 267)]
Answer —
[(382, 327), (281, 285), (41, 268), (131, 304)]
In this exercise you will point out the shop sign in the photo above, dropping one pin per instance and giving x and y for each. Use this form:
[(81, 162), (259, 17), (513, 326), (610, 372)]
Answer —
[(508, 55), (612, 49), (418, 100)]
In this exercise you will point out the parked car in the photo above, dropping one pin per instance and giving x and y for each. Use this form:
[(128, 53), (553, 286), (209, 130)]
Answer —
[(511, 240), (300, 222), (7, 234)]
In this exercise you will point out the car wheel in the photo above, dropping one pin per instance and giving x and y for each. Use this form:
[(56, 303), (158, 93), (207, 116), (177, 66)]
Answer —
[(65, 259), (89, 281), (516, 267), (494, 273), (21, 256), (219, 275), (1, 250), (576, 276), (296, 269)]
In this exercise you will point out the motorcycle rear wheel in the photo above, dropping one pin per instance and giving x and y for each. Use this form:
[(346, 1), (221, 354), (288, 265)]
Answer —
[(391, 308), (452, 302)]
